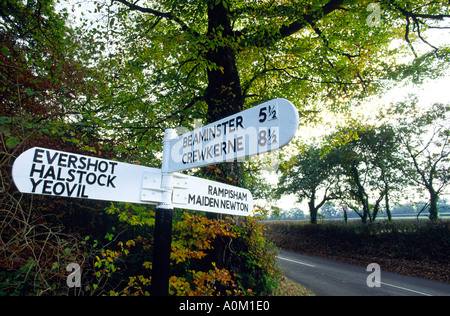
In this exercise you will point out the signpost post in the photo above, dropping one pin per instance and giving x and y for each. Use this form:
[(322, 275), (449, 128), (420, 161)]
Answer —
[(261, 129), (163, 226)]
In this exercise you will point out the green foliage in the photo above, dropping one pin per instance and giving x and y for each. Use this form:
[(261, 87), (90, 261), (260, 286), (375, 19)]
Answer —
[(134, 215), (425, 136), (250, 267), (259, 269), (370, 165), (164, 64), (309, 173)]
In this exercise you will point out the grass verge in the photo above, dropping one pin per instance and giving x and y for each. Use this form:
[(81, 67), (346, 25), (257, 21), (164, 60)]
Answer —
[(288, 287)]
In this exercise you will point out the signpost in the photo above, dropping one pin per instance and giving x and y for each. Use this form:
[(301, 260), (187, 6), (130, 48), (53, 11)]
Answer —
[(209, 196), (261, 129), (56, 173), (51, 172)]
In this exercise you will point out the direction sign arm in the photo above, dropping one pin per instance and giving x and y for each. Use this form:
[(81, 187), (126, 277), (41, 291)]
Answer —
[(263, 128)]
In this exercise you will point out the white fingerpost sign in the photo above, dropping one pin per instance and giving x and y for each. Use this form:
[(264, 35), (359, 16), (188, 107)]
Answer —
[(263, 128), (56, 173), (209, 196), (51, 172)]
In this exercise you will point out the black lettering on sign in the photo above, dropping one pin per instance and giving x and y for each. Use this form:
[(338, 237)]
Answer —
[(64, 174), (209, 133), (217, 203), (210, 153), (231, 194)]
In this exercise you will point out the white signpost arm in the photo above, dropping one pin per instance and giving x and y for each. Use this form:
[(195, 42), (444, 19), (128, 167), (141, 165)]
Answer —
[(163, 225)]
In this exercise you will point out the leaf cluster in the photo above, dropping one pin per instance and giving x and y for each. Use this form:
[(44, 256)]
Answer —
[(195, 236)]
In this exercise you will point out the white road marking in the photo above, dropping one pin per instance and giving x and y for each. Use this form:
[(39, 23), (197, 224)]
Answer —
[(405, 289), (382, 283), (298, 262)]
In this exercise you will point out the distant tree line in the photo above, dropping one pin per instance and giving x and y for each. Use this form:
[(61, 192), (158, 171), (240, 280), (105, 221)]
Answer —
[(370, 168), (335, 211)]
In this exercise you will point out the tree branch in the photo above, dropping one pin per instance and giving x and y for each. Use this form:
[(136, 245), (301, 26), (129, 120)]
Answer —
[(267, 38), (311, 18), (327, 43), (406, 13), (134, 7), (166, 15), (415, 17)]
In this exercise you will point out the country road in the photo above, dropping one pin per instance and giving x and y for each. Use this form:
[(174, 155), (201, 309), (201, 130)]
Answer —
[(331, 278)]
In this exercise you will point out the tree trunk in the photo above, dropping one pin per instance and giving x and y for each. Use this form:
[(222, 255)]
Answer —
[(224, 93), (388, 207), (434, 212), (361, 195), (386, 197), (345, 215), (223, 96), (312, 208)]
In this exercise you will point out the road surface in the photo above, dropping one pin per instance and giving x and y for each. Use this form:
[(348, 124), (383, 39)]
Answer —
[(331, 278)]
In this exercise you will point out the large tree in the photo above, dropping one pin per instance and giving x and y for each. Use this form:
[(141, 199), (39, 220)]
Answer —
[(311, 175), (370, 163), (425, 136), (169, 62)]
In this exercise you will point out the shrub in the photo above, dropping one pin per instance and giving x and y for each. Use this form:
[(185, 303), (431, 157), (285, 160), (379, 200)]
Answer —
[(424, 245), (210, 257), (250, 267)]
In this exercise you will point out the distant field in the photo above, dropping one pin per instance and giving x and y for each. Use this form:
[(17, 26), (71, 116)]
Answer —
[(446, 217)]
